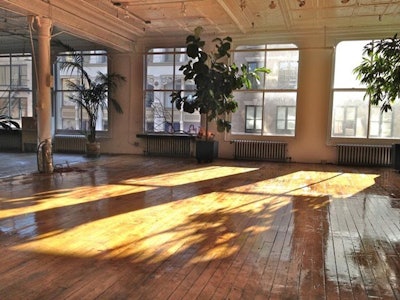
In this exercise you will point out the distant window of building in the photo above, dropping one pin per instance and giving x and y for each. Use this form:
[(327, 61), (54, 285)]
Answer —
[(253, 118)]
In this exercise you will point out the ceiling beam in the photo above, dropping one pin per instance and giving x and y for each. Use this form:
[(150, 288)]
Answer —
[(96, 26), (236, 13)]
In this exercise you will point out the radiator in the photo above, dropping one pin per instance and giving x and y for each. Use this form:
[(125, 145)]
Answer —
[(365, 155), (10, 140), (260, 150), (69, 143), (165, 145)]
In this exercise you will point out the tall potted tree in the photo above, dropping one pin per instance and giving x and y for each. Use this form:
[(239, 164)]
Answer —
[(92, 94), (380, 72), (215, 81)]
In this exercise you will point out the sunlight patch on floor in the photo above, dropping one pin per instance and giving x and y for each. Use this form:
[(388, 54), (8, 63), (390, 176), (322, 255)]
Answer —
[(159, 232), (57, 198)]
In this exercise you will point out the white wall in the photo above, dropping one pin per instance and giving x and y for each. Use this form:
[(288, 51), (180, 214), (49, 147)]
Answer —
[(124, 127)]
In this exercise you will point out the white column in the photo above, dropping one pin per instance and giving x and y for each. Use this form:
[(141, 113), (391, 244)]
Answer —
[(43, 27)]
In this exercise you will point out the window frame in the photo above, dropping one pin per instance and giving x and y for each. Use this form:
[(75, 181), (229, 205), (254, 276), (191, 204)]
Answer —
[(17, 94), (161, 78), (347, 83), (269, 90), (93, 60)]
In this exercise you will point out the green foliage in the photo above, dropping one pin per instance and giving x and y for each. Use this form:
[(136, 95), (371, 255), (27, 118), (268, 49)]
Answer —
[(94, 95), (90, 93), (215, 80), (7, 124), (380, 72)]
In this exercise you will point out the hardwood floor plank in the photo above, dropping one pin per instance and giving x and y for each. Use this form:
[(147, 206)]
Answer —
[(134, 227), (363, 255), (381, 247)]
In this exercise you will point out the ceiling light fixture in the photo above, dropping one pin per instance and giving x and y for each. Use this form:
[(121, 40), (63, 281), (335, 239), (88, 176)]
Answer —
[(243, 4), (183, 9), (272, 5)]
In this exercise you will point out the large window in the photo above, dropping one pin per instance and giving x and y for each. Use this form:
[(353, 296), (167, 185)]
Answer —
[(352, 115), (70, 117), (16, 86), (162, 78), (269, 108)]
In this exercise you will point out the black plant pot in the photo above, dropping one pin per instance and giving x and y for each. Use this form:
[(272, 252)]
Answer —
[(206, 151), (92, 149)]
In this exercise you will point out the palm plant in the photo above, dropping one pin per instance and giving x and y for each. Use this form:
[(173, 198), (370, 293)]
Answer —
[(91, 93), (94, 95)]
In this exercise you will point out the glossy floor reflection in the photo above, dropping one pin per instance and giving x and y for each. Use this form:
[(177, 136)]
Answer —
[(132, 227)]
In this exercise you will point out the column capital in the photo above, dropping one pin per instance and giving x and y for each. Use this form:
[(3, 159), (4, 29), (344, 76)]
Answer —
[(42, 24)]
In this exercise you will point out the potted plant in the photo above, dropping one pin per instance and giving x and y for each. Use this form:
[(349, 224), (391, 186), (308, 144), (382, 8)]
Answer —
[(92, 94), (215, 81), (380, 72)]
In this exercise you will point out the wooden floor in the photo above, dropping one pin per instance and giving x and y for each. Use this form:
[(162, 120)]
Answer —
[(133, 227)]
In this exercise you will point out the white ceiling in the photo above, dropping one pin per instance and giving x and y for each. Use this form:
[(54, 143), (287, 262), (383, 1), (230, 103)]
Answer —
[(119, 24), (246, 16)]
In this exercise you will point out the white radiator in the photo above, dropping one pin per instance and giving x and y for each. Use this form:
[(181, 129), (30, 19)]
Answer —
[(260, 150), (364, 155), (168, 145), (69, 143)]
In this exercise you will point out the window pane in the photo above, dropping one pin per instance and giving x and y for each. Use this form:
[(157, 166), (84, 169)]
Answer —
[(16, 86), (269, 119), (291, 124), (4, 105), (250, 112), (350, 114), (162, 78), (249, 124), (252, 59), (276, 113), (4, 72), (258, 125), (246, 101), (69, 115), (163, 114), (348, 55), (280, 124), (284, 69), (158, 76), (281, 115), (384, 124)]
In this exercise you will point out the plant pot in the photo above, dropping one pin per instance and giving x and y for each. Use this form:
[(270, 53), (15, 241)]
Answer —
[(206, 151), (93, 149)]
